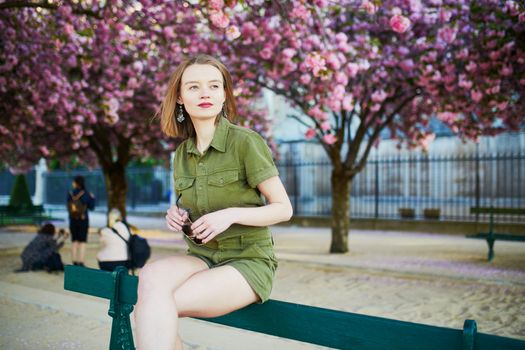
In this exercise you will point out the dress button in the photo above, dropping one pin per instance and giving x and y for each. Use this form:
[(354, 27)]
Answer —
[(201, 164), (222, 181)]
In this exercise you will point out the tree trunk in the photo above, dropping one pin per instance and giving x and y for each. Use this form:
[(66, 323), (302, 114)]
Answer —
[(116, 187), (340, 211)]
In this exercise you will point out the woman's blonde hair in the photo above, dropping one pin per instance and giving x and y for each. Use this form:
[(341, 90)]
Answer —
[(169, 106), (113, 216)]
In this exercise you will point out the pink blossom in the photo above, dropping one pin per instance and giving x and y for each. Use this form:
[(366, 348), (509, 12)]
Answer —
[(138, 66), (321, 3), (348, 102), (216, 4), (332, 61), (299, 11), (44, 150), (219, 19), (339, 92), (69, 29), (266, 53), (53, 99), (368, 7), (512, 7), (113, 104), (375, 107), (447, 117), (399, 23), (521, 17), (168, 32), (506, 70), (341, 37), (464, 83), (326, 126), (232, 33), (289, 53), (471, 66), (379, 96), (310, 134), (476, 95), (334, 104), (407, 65), (502, 105), (341, 78), (445, 15), (416, 6), (352, 69), (447, 34), (315, 63), (305, 78), (317, 113), (329, 139)]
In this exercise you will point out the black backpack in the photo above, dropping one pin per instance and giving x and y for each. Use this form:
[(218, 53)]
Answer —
[(139, 250), (76, 208)]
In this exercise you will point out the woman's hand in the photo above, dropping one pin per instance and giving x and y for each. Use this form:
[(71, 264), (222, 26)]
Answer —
[(210, 225), (175, 218)]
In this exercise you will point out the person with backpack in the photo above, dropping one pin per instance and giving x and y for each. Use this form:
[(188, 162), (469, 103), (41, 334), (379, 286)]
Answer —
[(42, 253), (79, 201), (114, 240), (120, 246)]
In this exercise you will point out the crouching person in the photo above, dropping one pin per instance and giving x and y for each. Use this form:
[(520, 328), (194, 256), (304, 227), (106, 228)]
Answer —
[(42, 253), (114, 251)]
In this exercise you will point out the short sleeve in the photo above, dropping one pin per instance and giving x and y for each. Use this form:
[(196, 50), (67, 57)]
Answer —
[(258, 160)]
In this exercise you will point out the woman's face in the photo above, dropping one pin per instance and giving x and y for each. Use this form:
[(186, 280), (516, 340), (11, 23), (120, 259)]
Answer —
[(202, 91)]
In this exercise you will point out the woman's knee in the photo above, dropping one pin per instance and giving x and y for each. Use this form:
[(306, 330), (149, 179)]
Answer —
[(166, 275)]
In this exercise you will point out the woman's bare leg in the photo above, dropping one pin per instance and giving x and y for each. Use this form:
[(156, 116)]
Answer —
[(213, 293), (155, 313), (81, 253), (74, 249)]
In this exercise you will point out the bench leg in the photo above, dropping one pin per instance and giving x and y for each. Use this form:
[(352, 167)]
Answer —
[(121, 333), (490, 243)]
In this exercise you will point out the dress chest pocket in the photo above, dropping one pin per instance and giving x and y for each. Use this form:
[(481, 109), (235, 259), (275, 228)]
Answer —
[(223, 189), (183, 183), (223, 178)]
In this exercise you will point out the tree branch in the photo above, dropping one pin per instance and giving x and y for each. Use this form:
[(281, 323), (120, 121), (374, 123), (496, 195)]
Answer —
[(46, 5)]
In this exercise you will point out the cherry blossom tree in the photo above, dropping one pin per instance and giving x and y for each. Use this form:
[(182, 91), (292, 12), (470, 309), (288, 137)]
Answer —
[(358, 69), (84, 80)]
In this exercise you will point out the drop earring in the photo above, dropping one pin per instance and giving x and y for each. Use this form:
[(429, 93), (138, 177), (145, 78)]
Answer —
[(180, 115), (224, 114)]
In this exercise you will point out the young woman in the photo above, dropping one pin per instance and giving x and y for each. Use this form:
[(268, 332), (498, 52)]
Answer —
[(221, 172), (79, 201)]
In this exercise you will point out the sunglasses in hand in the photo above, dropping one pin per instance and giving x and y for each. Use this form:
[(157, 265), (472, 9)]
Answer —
[(186, 226)]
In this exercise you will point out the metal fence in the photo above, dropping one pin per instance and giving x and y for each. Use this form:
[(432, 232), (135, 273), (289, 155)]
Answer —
[(388, 188), (419, 186), (147, 187)]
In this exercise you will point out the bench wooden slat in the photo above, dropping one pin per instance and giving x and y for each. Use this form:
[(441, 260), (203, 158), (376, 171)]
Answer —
[(498, 236), (494, 342), (497, 210), (99, 283), (340, 330)]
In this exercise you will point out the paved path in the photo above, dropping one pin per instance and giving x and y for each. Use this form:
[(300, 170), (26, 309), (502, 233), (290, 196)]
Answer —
[(432, 279)]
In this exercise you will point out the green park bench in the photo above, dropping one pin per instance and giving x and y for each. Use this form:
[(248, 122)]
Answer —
[(492, 236), (22, 215), (331, 328)]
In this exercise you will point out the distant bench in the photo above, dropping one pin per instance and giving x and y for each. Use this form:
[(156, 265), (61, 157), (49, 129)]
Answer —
[(335, 329), (492, 236), (16, 215)]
